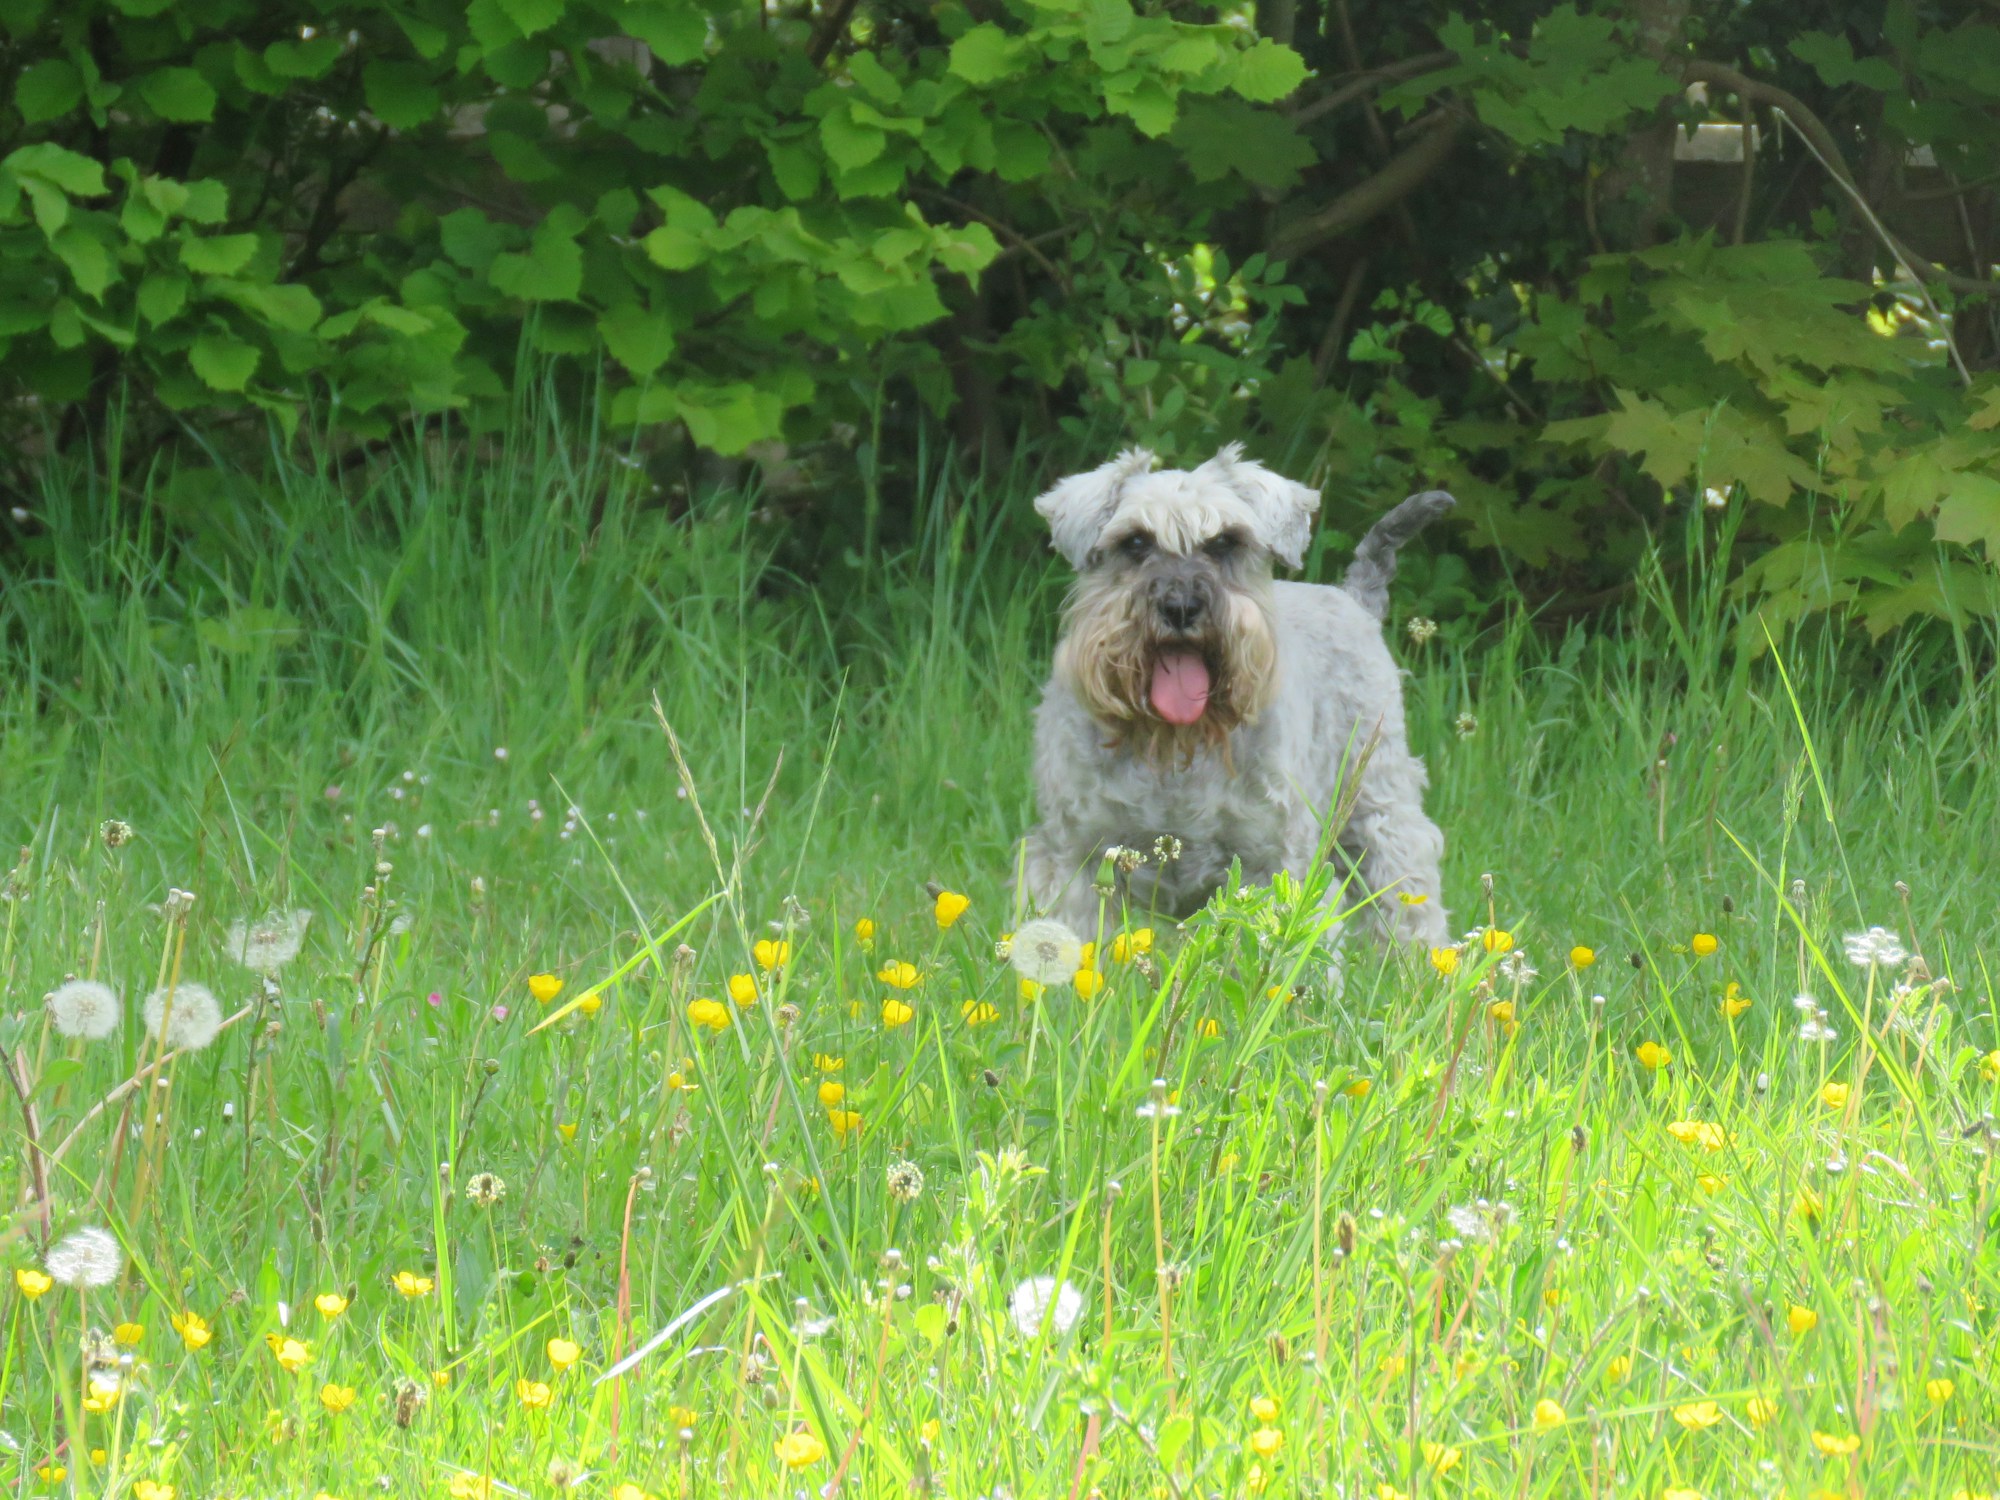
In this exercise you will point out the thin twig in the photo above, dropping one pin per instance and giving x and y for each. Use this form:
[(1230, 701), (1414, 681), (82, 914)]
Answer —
[(127, 1087), (17, 1074)]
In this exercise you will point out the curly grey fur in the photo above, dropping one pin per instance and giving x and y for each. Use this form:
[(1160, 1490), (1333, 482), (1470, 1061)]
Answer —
[(1374, 566)]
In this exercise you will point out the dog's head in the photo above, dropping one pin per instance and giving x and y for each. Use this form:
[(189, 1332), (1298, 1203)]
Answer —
[(1168, 634)]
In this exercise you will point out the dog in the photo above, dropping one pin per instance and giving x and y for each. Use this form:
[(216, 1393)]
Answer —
[(1198, 705)]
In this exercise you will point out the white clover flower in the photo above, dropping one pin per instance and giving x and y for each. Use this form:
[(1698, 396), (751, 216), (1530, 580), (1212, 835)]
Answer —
[(1042, 1299), (1046, 952), (1468, 1223), (1878, 947), (192, 1019), (84, 1009), (87, 1258), (269, 944)]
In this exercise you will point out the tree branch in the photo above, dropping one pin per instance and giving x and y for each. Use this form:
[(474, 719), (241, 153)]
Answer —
[(1400, 176), (829, 30), (1367, 83)]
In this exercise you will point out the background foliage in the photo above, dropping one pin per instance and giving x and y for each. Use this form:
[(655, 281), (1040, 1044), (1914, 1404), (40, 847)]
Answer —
[(1388, 244)]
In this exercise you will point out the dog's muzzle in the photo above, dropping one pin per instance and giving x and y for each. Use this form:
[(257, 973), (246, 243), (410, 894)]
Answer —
[(1181, 603)]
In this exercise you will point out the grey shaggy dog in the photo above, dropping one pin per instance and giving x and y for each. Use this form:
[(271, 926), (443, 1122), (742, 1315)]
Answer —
[(1196, 699)]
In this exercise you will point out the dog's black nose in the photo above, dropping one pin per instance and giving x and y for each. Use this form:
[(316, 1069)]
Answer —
[(1182, 606)]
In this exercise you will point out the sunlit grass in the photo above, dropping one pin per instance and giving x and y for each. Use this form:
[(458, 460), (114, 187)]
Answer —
[(1601, 1210)]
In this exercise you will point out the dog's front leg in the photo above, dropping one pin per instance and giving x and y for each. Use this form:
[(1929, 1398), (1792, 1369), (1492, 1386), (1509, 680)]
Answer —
[(1060, 869)]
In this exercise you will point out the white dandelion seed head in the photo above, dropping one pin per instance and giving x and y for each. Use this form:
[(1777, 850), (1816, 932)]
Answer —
[(84, 1009), (1805, 1004), (1814, 1029), (1046, 952), (1516, 969), (1468, 1223), (190, 1022), (86, 1258), (1878, 947), (268, 944), (1042, 1299)]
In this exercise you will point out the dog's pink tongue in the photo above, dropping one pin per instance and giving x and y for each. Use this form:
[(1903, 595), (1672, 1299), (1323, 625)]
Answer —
[(1180, 687)]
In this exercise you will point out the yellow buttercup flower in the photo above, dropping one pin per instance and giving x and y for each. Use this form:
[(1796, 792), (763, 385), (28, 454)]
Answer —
[(1359, 1088), (1128, 946), (100, 1395), (1226, 1163), (1265, 1442), (1581, 957), (1939, 1391), (153, 1489), (710, 1013), (1208, 1026), (895, 1013), (1801, 1319), (1704, 944), (683, 1416), (1497, 940), (1088, 983), (129, 1334), (1445, 961), (827, 1063), (330, 1304), (950, 907), (410, 1284), (336, 1398), (1618, 1369), (1834, 1096), (1387, 1491), (1653, 1056), (1807, 1204), (52, 1473), (1836, 1445), (831, 1092), (1029, 991), (192, 1327), (630, 1491), (544, 987), (1734, 1001), (567, 1131), (864, 932), (1501, 1011), (1440, 1458), (1989, 1066), (845, 1122), (980, 1013), (1697, 1416), (1671, 1493), (1264, 1409), (590, 1002), (292, 1354), (1709, 1183), (743, 989), (534, 1394), (32, 1282), (1760, 1410), (771, 953), (898, 974), (931, 1431), (1699, 1133), (470, 1487), (564, 1352), (1548, 1415), (798, 1450)]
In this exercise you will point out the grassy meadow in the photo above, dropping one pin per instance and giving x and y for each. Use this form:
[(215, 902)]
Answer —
[(690, 1054)]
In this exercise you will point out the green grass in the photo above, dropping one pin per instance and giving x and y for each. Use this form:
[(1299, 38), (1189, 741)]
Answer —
[(210, 672)]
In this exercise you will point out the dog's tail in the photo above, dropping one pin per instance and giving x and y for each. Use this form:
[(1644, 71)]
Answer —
[(1374, 565)]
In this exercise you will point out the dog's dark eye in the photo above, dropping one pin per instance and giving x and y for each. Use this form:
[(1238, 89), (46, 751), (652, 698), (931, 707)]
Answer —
[(1223, 547), (1136, 546)]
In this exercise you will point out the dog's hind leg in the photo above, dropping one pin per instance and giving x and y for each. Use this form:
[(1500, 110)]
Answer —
[(1398, 850)]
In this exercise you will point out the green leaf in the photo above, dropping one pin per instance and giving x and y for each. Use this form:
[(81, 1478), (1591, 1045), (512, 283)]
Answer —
[(223, 363), (1143, 99), (1971, 513), (532, 16), (729, 418), (58, 166), (986, 54), (218, 254), (796, 168), (313, 57), (639, 338), (207, 202), (49, 89), (161, 297), (965, 248), (849, 145), (550, 271), (1223, 136), (180, 95), (471, 239), (89, 262), (1020, 151), (677, 32), (1832, 57), (1268, 72), (290, 307), (141, 222), (675, 249), (400, 94)]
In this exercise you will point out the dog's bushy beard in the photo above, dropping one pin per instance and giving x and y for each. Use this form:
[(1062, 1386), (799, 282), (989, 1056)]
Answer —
[(1112, 642)]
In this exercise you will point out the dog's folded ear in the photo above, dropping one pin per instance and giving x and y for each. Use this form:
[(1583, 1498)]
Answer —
[(1079, 508), (1283, 508)]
